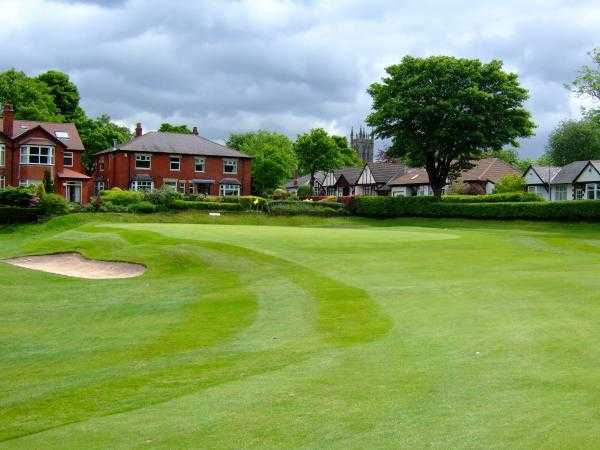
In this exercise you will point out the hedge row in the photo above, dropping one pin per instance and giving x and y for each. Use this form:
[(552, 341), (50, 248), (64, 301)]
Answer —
[(385, 207), (494, 198), (15, 214), (306, 204), (206, 206)]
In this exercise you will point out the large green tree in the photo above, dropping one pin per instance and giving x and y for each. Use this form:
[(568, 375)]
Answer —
[(99, 134), (442, 112), (30, 97), (574, 140), (170, 128), (274, 160), (348, 156), (588, 77), (316, 151), (63, 91)]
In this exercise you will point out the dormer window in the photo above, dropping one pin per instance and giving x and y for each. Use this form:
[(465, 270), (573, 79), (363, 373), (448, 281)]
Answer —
[(62, 134)]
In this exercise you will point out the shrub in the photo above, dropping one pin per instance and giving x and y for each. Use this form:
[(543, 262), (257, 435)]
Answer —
[(53, 204), (430, 207), (111, 207), (40, 190), (229, 199), (163, 197), (328, 198), (206, 206), (280, 194), (18, 196), (117, 196), (306, 204), (144, 207), (494, 198), (291, 207), (510, 183), (253, 203), (458, 187), (304, 192), (17, 214), (48, 182)]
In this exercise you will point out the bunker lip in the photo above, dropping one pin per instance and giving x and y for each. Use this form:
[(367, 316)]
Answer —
[(75, 265)]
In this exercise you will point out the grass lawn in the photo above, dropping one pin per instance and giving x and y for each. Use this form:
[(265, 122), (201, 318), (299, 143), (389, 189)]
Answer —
[(250, 331)]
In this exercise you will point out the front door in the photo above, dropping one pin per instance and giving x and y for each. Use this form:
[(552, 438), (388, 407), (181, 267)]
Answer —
[(73, 192)]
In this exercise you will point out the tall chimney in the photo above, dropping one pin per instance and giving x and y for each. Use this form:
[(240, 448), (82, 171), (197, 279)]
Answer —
[(138, 129), (9, 116), (195, 130)]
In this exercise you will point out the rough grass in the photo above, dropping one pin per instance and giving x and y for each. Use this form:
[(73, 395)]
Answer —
[(252, 331)]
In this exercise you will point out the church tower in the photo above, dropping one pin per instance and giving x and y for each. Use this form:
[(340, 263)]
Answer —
[(364, 143)]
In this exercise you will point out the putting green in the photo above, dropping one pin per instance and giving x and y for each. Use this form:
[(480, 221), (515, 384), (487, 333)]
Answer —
[(346, 334)]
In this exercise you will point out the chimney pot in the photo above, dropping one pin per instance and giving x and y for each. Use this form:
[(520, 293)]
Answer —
[(138, 130), (8, 115), (195, 130)]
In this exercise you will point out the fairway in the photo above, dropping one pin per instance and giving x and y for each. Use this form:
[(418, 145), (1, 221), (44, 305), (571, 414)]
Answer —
[(314, 333)]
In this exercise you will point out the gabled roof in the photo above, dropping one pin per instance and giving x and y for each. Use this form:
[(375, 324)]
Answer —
[(545, 173), (72, 174), (411, 176), (351, 174), (489, 169), (382, 172), (73, 142), (569, 173), (304, 180), (176, 143)]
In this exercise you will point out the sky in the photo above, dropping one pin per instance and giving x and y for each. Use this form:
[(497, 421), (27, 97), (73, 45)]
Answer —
[(289, 66)]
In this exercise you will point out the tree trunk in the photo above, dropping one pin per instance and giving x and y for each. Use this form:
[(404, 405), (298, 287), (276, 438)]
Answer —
[(438, 173), (312, 181)]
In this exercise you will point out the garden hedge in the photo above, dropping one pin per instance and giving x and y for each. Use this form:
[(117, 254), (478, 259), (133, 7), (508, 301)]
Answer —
[(494, 198), (386, 207), (206, 206), (16, 214)]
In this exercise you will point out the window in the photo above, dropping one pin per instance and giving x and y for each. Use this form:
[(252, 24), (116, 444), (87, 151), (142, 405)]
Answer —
[(142, 185), (227, 190), (174, 163), (560, 192), (142, 161), (30, 182), (538, 190), (172, 184), (199, 164), (100, 186), (181, 186), (33, 154), (62, 134), (579, 194), (2, 155), (68, 159), (399, 192), (423, 190), (230, 166), (592, 191), (2, 181)]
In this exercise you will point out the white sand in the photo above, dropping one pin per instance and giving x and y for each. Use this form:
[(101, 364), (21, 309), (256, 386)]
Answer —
[(75, 265)]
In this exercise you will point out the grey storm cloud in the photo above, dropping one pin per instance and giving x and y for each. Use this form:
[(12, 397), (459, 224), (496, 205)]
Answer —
[(283, 65)]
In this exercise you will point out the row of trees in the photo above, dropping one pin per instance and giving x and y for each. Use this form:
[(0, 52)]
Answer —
[(53, 97)]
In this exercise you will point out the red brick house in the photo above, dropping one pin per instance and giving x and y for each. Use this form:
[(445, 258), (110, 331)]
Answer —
[(189, 163), (29, 148)]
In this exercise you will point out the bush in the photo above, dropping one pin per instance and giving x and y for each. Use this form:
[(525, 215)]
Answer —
[(111, 207), (144, 207), (16, 214), (53, 204), (18, 196), (48, 183), (206, 206), (163, 198), (384, 207), (494, 198), (253, 203), (280, 194), (328, 198), (291, 207), (306, 204), (304, 192), (510, 183), (117, 196)]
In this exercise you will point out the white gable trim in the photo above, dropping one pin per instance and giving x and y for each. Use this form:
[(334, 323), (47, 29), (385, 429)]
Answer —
[(532, 177), (366, 177), (588, 174), (330, 179)]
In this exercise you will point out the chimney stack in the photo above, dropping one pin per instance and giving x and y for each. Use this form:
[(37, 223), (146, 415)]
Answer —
[(8, 115), (195, 131), (138, 129)]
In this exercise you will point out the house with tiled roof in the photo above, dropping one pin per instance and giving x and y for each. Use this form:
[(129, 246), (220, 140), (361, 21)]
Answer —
[(189, 163), (579, 180), (374, 178), (29, 148)]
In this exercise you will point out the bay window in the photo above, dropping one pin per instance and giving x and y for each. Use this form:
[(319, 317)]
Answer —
[(37, 154), (142, 161), (142, 185), (230, 166), (228, 190)]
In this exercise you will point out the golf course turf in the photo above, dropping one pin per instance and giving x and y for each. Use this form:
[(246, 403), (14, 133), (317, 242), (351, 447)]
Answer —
[(250, 331)]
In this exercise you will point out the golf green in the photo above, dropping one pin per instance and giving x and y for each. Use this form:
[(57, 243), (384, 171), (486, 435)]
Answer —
[(257, 332)]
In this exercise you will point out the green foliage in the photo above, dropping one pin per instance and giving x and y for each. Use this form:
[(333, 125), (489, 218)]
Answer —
[(53, 204), (48, 182), (494, 198), (280, 194), (274, 160), (163, 197), (316, 151), (304, 192), (574, 140), (510, 156), (458, 187), (290, 207), (588, 77), (510, 183), (442, 112), (144, 207), (30, 97), (206, 206), (170, 128), (253, 203), (64, 92), (99, 134), (40, 190), (348, 157), (17, 214), (18, 196), (117, 196)]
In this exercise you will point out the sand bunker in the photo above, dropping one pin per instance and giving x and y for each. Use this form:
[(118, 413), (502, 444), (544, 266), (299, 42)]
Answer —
[(75, 265)]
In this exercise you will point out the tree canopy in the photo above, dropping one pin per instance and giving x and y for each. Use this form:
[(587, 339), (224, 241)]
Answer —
[(99, 134), (170, 128), (316, 151), (574, 140), (64, 92), (442, 112), (348, 156), (274, 160), (588, 77)]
